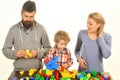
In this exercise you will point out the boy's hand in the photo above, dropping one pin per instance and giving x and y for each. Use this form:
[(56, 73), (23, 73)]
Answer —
[(65, 65)]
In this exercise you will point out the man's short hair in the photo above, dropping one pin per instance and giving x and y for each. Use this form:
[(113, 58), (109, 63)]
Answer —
[(29, 6)]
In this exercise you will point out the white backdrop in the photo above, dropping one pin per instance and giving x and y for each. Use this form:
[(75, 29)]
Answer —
[(68, 15)]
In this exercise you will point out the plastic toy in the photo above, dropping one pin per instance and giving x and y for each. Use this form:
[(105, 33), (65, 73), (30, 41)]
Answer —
[(107, 77), (31, 72), (38, 77), (52, 64), (93, 75), (45, 73), (68, 74), (61, 74), (52, 77), (57, 74), (15, 78), (28, 54), (21, 72), (65, 79)]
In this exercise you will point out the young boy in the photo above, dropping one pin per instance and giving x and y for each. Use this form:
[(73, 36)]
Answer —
[(61, 39)]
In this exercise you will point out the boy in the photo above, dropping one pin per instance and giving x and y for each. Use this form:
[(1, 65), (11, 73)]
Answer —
[(61, 39)]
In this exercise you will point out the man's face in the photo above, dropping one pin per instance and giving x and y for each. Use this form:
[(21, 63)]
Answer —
[(28, 18)]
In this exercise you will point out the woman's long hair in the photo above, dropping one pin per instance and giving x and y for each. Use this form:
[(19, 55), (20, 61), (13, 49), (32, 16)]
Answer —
[(99, 20)]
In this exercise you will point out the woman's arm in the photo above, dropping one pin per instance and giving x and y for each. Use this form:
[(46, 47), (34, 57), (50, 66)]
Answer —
[(78, 52), (78, 46), (104, 43)]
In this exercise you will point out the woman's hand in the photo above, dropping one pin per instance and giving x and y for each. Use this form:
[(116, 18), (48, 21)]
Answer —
[(82, 63)]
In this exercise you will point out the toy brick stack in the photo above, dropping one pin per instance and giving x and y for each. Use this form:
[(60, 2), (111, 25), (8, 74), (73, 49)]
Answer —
[(53, 73), (63, 74)]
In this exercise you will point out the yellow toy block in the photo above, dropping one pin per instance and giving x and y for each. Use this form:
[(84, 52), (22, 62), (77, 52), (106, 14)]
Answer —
[(28, 54), (21, 72), (31, 72)]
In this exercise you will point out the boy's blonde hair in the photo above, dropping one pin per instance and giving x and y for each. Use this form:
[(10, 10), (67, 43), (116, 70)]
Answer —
[(98, 18), (61, 35)]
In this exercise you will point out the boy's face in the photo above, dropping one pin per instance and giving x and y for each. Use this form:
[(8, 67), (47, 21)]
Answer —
[(61, 45)]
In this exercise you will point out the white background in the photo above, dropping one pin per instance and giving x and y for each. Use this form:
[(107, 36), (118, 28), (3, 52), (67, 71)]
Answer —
[(68, 15)]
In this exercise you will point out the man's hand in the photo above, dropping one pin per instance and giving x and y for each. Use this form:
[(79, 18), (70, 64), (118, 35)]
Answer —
[(21, 53), (34, 53)]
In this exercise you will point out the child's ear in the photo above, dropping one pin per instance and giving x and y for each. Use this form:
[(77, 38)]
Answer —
[(55, 43)]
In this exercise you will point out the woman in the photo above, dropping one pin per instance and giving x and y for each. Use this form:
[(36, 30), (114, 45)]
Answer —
[(93, 44)]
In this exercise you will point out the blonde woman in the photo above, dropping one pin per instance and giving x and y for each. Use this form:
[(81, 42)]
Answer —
[(93, 44)]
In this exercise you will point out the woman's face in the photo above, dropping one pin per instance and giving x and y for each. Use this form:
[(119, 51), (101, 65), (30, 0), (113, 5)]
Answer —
[(92, 25)]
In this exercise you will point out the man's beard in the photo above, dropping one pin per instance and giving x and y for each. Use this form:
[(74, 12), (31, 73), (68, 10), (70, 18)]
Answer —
[(27, 24)]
